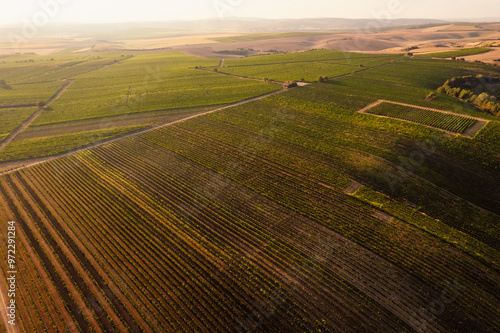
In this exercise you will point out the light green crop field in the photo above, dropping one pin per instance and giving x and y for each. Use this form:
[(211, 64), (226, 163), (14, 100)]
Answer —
[(459, 53), (149, 83), (307, 56), (28, 93), (36, 69), (292, 71), (55, 144), (10, 119), (111, 91), (115, 90), (306, 66)]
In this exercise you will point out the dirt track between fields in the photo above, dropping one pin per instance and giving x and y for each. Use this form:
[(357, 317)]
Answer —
[(22, 164), (474, 129), (17, 106), (12, 135), (35, 115), (241, 77)]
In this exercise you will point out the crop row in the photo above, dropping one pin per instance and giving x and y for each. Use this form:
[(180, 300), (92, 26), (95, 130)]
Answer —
[(101, 202), (301, 137), (170, 168), (10, 119), (192, 246), (309, 71), (178, 283), (28, 93), (347, 58), (444, 121), (183, 146), (90, 98), (223, 196)]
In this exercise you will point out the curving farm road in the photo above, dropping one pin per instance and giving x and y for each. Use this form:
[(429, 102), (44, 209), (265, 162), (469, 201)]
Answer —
[(35, 115), (36, 161)]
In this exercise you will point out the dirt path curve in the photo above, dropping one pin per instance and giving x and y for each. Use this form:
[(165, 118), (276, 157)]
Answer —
[(35, 115), (282, 83), (368, 107), (100, 143), (242, 77), (221, 63)]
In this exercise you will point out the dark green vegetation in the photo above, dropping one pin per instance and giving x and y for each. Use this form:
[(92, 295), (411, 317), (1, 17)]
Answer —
[(239, 221), (242, 52), (459, 53), (444, 121), (481, 91)]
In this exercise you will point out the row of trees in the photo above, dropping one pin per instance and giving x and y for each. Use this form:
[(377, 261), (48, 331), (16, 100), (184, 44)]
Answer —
[(478, 90)]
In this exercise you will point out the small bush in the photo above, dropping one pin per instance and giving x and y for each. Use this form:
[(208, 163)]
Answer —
[(431, 96)]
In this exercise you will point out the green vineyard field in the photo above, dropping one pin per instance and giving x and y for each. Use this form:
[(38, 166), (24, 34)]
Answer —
[(146, 200), (445, 121)]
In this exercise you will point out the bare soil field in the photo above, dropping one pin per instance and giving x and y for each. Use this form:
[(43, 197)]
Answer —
[(426, 40), (488, 57), (446, 37), (163, 42)]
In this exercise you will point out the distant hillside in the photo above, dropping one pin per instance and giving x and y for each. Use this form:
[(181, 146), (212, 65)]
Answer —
[(314, 24), (233, 25)]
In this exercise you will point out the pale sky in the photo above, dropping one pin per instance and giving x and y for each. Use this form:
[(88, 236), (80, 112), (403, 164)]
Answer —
[(103, 11)]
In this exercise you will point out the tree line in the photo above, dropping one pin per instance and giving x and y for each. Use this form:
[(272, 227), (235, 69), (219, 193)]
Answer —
[(479, 90)]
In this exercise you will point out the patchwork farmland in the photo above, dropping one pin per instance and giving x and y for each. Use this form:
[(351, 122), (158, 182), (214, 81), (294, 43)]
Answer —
[(159, 195)]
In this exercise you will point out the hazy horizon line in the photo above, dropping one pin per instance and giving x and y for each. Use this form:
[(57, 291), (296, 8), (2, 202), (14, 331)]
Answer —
[(445, 20)]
